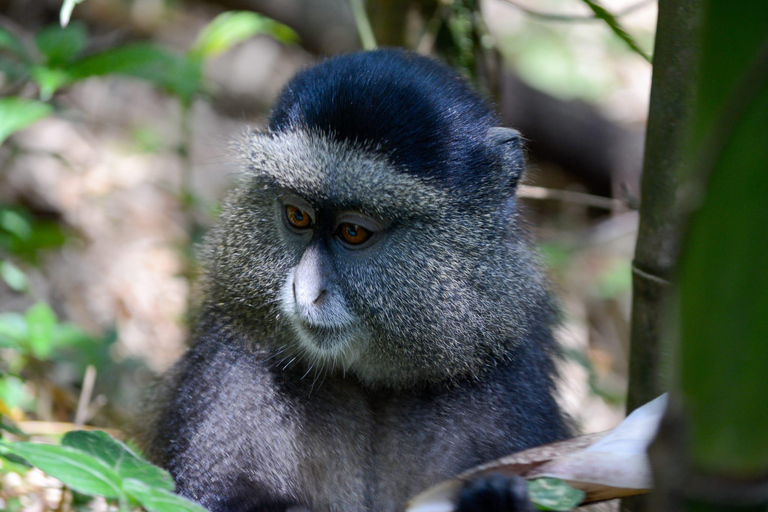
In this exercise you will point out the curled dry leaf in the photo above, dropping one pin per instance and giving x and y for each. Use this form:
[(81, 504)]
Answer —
[(606, 465)]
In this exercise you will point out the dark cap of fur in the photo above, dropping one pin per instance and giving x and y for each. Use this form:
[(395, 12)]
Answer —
[(419, 113)]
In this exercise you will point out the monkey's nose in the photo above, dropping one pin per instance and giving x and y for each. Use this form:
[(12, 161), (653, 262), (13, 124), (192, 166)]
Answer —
[(308, 293), (320, 297), (303, 296), (311, 279)]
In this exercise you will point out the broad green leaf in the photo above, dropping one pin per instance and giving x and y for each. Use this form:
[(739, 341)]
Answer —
[(615, 26), (13, 330), (7, 425), (119, 457), (10, 463), (553, 494), (18, 113), (159, 500), (44, 234), (230, 28), (66, 11), (41, 322), (9, 41), (177, 75), (14, 222), (60, 45), (13, 276), (723, 269), (75, 468)]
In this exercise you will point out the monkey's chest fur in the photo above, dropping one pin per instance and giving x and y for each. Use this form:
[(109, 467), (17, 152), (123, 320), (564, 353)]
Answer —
[(241, 433)]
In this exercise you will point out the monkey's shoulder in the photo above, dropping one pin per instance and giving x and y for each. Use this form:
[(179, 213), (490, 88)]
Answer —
[(226, 427)]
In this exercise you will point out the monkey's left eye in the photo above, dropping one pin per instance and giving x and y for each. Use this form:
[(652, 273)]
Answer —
[(352, 233), (297, 217)]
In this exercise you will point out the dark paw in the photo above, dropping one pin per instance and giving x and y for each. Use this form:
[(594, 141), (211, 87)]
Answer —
[(495, 493)]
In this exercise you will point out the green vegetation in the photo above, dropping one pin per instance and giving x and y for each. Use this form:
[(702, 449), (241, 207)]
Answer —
[(95, 464), (553, 494)]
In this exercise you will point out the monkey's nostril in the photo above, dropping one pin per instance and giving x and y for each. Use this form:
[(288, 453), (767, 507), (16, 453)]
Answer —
[(320, 296), (294, 291)]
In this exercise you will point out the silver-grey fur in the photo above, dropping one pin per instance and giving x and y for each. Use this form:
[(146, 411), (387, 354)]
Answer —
[(471, 300)]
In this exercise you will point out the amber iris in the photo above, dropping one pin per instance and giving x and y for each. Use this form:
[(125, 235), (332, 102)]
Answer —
[(353, 234), (297, 218)]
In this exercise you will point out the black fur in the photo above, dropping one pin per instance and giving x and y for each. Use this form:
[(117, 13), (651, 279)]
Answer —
[(232, 408), (495, 493), (410, 108)]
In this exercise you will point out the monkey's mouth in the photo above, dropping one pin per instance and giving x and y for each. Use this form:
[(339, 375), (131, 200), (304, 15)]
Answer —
[(324, 338)]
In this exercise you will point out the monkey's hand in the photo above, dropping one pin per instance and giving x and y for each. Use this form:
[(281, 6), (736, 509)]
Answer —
[(495, 493)]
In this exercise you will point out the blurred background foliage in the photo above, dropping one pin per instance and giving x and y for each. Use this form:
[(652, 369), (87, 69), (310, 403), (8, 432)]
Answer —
[(116, 134)]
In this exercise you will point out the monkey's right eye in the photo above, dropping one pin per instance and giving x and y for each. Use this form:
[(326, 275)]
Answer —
[(297, 217)]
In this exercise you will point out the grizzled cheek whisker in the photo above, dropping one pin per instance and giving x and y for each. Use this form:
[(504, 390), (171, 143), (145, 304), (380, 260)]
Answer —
[(287, 294)]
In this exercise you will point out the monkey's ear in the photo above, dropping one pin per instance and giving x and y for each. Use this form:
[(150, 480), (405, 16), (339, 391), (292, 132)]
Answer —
[(508, 143)]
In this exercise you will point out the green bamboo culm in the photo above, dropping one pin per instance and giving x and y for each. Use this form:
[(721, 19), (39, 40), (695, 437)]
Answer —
[(654, 266)]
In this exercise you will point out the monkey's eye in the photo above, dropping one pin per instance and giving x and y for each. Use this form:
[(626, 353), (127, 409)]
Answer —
[(297, 217), (352, 233)]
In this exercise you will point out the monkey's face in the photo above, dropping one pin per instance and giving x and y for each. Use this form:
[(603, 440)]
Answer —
[(349, 263)]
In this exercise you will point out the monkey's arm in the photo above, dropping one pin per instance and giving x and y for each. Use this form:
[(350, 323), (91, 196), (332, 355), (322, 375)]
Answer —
[(223, 433), (495, 493)]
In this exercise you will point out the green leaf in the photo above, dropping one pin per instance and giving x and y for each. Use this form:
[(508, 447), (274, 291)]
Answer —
[(553, 494), (18, 113), (77, 469), (66, 11), (613, 23), (723, 273), (176, 74), (14, 222), (14, 393), (45, 234), (13, 330), (282, 33), (158, 500), (9, 41), (230, 28), (8, 425), (60, 45), (41, 322), (119, 457), (13, 276), (10, 463), (50, 80)]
